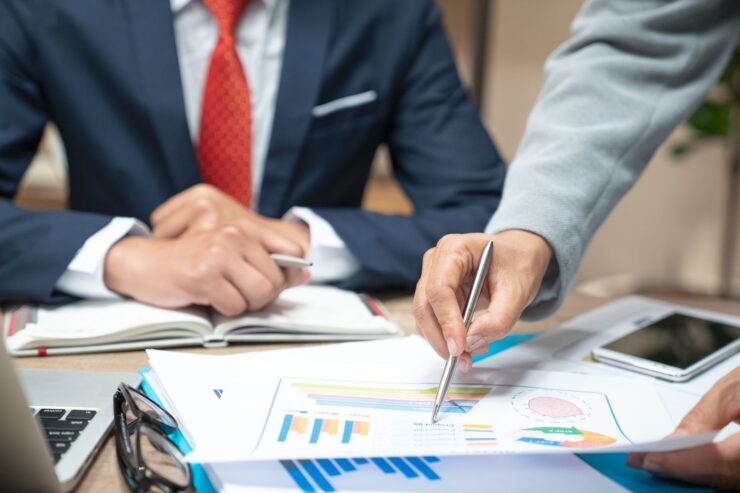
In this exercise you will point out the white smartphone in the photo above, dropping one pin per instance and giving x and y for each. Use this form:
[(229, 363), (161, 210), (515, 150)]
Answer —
[(676, 347)]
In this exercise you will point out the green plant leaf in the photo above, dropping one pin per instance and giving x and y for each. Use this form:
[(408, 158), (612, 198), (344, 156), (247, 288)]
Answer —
[(712, 119)]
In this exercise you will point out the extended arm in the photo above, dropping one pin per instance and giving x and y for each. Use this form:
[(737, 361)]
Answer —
[(630, 73)]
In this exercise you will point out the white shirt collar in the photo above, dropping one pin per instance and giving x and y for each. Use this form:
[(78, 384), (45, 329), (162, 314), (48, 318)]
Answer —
[(177, 5)]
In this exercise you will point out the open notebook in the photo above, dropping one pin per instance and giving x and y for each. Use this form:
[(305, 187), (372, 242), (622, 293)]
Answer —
[(306, 313)]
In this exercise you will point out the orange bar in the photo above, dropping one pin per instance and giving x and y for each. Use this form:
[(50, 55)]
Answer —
[(478, 427), (364, 428), (294, 424)]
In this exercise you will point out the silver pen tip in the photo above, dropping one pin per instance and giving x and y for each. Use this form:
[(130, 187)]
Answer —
[(435, 414)]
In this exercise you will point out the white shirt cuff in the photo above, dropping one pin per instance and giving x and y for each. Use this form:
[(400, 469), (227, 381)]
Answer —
[(84, 274), (332, 260)]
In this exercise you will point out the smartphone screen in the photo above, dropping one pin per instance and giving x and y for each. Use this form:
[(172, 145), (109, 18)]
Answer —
[(676, 340)]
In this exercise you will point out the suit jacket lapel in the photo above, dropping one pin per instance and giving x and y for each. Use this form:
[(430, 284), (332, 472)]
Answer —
[(153, 42), (309, 25)]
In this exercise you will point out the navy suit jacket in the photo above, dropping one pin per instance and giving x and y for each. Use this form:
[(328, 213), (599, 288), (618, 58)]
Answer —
[(106, 73)]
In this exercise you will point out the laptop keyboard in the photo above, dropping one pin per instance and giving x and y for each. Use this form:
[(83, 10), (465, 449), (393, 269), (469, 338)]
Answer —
[(61, 426)]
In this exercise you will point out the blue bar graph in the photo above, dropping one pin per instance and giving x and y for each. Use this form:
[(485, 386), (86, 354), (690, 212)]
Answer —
[(329, 467), (312, 476), (285, 428), (403, 467), (347, 434), (345, 464), (315, 474), (423, 468), (316, 430), (297, 476), (383, 465)]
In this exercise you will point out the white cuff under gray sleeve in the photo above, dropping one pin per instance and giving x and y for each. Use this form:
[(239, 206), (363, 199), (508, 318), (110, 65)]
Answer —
[(84, 274), (332, 260)]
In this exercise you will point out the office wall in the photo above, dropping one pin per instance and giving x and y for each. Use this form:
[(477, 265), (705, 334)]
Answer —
[(667, 231)]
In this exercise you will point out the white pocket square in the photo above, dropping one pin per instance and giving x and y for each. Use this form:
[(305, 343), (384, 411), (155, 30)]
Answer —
[(344, 103)]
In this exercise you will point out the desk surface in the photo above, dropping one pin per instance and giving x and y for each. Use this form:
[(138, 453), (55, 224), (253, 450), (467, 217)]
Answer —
[(103, 474)]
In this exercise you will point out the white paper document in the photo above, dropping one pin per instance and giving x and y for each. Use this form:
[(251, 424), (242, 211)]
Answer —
[(374, 399), (568, 348), (428, 474)]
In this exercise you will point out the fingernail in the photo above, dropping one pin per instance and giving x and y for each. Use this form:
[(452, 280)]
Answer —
[(452, 347), (652, 465), (474, 342), (464, 365)]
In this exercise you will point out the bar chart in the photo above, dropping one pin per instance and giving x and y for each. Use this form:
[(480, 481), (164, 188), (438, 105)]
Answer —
[(352, 427), (292, 423), (460, 399), (334, 418), (312, 475), (298, 423)]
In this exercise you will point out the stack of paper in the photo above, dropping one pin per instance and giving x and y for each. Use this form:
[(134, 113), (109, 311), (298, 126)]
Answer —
[(368, 400)]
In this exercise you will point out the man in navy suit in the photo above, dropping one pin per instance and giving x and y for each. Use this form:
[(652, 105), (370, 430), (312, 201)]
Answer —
[(233, 130)]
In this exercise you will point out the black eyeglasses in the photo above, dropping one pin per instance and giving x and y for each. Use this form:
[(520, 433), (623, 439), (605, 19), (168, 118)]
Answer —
[(146, 457)]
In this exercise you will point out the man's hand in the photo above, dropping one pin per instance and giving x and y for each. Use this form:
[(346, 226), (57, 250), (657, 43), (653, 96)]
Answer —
[(228, 268), (716, 465), (519, 262), (204, 208)]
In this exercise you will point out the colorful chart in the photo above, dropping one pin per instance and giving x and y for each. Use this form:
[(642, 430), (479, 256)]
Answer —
[(297, 424), (565, 437), (460, 399), (552, 407), (323, 425), (307, 473), (352, 427), (478, 435)]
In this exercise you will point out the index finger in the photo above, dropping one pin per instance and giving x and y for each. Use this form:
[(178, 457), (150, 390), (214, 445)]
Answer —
[(450, 266)]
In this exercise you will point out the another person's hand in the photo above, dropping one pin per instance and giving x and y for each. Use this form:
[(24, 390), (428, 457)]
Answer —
[(227, 267), (716, 465), (520, 260), (204, 207)]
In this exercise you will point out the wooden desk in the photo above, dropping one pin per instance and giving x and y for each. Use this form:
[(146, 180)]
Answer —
[(103, 475)]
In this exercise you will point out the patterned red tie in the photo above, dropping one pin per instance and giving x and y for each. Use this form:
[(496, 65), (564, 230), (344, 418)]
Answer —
[(225, 142)]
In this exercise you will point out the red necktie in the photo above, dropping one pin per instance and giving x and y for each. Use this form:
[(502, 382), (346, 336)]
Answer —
[(225, 142)]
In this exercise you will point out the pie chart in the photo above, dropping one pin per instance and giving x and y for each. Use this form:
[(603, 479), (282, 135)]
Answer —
[(553, 407)]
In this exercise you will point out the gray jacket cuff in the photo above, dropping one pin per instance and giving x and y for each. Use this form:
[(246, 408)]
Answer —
[(536, 216)]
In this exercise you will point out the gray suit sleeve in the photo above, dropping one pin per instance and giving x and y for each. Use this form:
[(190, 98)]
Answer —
[(631, 71)]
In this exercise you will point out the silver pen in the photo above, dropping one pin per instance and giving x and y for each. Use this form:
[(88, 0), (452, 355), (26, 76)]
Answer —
[(290, 261), (480, 275)]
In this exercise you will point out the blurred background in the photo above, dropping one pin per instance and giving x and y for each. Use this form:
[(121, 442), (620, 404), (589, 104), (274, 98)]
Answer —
[(667, 235)]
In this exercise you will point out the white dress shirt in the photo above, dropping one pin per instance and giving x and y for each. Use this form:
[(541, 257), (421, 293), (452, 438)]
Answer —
[(261, 34)]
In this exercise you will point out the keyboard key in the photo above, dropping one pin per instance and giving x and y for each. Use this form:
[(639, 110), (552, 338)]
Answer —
[(67, 424), (50, 413), (61, 435), (56, 457), (59, 447), (81, 414)]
